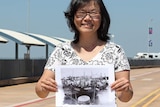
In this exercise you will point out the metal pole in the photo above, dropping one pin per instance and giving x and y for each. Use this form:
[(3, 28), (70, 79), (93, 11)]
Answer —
[(28, 16), (16, 52), (148, 40)]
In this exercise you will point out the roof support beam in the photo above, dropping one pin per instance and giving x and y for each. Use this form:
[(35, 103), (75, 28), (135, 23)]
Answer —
[(16, 50), (46, 51), (28, 49)]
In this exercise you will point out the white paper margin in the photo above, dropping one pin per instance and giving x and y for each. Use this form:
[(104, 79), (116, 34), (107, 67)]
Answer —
[(109, 69)]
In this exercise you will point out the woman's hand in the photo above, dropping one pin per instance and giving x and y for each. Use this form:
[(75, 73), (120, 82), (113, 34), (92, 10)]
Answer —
[(121, 84), (46, 84), (49, 85)]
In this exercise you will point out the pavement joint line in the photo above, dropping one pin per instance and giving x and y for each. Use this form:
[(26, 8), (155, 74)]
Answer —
[(144, 74), (31, 102), (153, 99), (145, 98)]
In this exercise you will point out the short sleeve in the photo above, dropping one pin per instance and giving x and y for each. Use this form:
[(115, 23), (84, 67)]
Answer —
[(54, 59), (121, 62)]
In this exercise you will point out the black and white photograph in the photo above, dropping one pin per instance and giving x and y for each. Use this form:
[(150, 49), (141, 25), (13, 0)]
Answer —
[(85, 86)]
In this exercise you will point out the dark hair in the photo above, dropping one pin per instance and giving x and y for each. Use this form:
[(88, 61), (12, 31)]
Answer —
[(105, 19)]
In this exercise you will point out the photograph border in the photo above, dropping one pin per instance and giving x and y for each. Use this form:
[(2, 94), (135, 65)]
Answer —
[(80, 77)]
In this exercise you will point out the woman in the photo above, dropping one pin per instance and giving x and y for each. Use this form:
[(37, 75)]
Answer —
[(90, 22)]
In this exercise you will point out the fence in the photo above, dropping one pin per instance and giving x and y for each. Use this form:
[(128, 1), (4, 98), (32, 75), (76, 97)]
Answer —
[(22, 71), (143, 63)]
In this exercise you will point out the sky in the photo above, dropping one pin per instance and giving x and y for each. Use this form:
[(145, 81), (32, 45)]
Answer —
[(130, 22)]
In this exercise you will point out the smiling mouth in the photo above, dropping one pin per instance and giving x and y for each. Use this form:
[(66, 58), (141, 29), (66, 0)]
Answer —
[(87, 25)]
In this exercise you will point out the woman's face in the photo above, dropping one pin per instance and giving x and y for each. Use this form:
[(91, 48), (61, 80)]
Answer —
[(87, 19)]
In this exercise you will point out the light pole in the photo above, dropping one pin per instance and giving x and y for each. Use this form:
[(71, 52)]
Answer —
[(28, 15), (149, 42)]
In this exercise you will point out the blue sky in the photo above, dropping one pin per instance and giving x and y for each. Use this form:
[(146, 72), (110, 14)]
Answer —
[(129, 23)]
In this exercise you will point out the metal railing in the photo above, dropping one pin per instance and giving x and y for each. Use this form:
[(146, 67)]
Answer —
[(29, 70)]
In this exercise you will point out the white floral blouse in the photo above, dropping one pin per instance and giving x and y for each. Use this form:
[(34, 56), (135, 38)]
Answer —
[(112, 53)]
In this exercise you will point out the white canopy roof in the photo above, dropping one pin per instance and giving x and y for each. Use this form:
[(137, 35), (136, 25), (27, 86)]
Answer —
[(20, 38), (46, 39), (29, 39), (62, 39), (3, 40)]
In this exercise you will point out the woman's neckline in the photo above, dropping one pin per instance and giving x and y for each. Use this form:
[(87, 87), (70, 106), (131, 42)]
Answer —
[(93, 53)]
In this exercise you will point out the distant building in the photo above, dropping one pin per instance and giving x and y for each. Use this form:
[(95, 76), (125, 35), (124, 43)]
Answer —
[(145, 55)]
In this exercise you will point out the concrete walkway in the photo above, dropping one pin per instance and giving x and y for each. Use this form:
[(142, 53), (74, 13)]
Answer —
[(146, 85)]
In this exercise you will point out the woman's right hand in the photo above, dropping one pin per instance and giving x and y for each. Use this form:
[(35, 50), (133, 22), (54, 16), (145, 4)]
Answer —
[(46, 84), (49, 85)]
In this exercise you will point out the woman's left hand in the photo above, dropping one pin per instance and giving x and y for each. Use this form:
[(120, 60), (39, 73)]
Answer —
[(121, 84)]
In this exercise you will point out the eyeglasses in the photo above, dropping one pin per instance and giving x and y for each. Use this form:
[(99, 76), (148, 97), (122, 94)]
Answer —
[(83, 14)]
